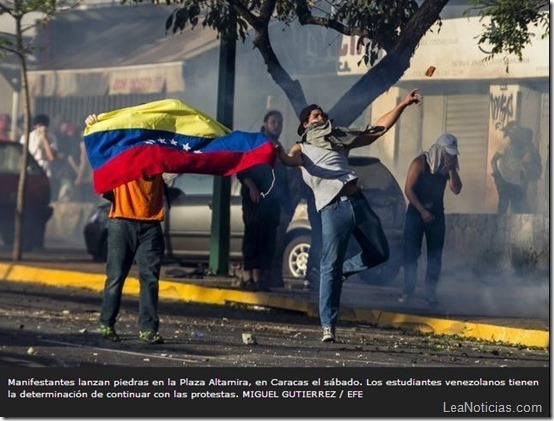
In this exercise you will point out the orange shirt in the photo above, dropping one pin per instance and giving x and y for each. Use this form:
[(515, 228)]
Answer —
[(140, 199)]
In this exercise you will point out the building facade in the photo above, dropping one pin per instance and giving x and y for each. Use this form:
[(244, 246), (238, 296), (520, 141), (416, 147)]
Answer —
[(111, 57)]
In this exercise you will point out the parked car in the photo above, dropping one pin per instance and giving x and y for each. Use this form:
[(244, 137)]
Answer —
[(187, 225), (37, 197)]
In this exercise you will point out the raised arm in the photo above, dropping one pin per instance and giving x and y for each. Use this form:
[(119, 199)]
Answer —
[(390, 118), (385, 122), (454, 181), (46, 145)]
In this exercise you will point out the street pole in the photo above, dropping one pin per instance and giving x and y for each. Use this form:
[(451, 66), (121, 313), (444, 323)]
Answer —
[(219, 241)]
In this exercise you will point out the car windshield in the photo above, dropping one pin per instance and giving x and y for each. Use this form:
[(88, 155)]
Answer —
[(194, 184)]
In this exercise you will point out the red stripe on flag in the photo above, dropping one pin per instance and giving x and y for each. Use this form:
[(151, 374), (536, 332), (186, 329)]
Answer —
[(147, 160)]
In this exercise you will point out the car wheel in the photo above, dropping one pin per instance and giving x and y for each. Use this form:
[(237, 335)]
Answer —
[(295, 257)]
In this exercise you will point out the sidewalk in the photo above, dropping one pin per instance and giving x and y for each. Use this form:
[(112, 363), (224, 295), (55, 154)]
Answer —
[(509, 312)]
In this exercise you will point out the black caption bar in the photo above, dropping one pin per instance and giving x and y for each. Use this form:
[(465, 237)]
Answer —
[(275, 392)]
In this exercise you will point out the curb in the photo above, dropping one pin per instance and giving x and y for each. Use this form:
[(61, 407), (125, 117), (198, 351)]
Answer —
[(208, 295)]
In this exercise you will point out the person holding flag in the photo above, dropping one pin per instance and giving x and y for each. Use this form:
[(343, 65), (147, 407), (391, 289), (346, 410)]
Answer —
[(129, 150), (134, 232)]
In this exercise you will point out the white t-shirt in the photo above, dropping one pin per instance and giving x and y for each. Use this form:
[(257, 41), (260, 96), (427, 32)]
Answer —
[(326, 172), (36, 149)]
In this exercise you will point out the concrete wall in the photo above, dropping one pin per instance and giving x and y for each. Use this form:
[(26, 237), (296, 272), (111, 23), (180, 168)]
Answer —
[(495, 245)]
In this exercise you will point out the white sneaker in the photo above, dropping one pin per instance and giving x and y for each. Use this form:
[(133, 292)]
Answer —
[(328, 334)]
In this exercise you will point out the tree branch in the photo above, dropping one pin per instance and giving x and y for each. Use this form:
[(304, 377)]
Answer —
[(390, 69), (305, 17), (419, 24), (267, 9), (244, 13), (291, 88)]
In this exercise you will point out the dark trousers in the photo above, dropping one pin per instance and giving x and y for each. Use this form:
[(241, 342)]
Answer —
[(129, 240), (434, 232), (260, 228), (276, 276), (510, 195)]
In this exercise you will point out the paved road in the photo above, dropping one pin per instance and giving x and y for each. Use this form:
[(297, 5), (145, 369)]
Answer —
[(513, 302), (48, 329), (47, 326)]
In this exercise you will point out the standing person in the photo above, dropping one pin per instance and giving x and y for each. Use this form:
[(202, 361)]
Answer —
[(288, 199), (134, 232), (83, 181), (65, 168), (514, 165), (5, 126), (322, 154), (42, 145), (264, 191), (425, 184), (531, 164)]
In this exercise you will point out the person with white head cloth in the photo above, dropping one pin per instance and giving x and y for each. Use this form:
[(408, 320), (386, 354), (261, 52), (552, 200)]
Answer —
[(426, 181)]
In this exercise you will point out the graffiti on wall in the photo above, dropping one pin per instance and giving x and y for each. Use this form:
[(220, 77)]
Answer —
[(502, 108)]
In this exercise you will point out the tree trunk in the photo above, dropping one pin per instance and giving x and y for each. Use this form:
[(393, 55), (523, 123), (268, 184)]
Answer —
[(20, 205), (372, 84)]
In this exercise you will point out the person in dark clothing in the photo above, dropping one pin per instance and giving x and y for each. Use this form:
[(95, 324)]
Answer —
[(263, 191), (514, 166), (65, 167), (426, 181), (285, 179)]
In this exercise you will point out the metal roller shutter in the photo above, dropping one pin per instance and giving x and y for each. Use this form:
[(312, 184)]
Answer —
[(467, 117), (543, 194), (76, 109)]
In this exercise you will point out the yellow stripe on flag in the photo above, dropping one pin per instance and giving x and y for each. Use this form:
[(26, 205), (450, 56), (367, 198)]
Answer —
[(171, 115)]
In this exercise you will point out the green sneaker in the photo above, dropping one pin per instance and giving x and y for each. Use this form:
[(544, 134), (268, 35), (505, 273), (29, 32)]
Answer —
[(151, 337), (108, 333)]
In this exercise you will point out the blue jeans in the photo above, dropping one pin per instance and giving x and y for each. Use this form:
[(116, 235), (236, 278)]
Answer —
[(414, 230), (129, 240), (314, 257), (339, 221)]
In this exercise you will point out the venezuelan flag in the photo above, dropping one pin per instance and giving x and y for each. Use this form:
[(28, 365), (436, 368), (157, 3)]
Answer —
[(167, 136)]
